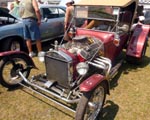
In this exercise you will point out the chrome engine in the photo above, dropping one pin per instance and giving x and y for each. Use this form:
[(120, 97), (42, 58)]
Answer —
[(61, 62), (85, 46)]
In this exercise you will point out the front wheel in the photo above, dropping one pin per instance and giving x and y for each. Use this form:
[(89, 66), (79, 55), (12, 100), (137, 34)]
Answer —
[(9, 67), (91, 104)]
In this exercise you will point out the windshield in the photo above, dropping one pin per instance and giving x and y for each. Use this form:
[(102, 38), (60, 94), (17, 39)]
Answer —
[(89, 17), (95, 12)]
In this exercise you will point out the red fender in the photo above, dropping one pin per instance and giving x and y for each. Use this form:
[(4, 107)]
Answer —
[(8, 53), (91, 82), (137, 40)]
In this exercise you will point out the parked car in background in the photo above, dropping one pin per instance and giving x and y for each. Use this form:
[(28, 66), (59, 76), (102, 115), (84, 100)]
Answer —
[(11, 27)]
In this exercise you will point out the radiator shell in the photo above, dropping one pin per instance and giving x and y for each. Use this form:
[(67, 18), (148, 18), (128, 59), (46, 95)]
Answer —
[(60, 67)]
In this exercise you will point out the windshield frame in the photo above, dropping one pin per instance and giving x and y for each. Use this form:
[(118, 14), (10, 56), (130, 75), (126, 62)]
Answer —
[(95, 12), (81, 15)]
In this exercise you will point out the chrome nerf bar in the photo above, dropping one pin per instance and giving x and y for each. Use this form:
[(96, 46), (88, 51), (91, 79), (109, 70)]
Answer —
[(48, 91)]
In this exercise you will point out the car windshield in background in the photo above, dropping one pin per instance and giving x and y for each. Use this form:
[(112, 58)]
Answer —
[(52, 12)]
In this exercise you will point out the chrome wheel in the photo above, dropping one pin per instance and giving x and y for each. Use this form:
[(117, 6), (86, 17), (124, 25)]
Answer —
[(95, 104), (91, 104)]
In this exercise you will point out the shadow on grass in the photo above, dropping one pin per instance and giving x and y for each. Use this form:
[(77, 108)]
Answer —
[(14, 88), (109, 111), (126, 68)]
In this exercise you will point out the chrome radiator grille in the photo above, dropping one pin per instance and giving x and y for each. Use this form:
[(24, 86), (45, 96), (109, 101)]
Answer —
[(58, 69)]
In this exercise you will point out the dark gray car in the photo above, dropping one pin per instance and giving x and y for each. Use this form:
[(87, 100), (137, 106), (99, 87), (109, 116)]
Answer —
[(11, 27)]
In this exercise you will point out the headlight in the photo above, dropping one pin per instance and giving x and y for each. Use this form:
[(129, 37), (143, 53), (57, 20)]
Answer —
[(82, 68)]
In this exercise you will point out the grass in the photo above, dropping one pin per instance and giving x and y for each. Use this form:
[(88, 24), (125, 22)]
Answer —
[(129, 98)]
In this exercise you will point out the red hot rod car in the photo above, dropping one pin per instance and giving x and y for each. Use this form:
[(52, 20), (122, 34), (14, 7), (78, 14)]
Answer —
[(78, 72)]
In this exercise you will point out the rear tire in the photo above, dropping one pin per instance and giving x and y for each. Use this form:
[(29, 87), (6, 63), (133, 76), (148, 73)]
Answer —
[(91, 104)]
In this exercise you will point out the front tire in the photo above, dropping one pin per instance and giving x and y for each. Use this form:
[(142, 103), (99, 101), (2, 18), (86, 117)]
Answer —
[(91, 104), (9, 67)]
